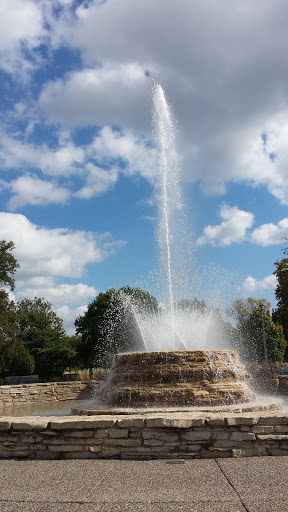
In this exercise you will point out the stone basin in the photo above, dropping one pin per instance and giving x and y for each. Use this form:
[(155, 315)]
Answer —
[(177, 378)]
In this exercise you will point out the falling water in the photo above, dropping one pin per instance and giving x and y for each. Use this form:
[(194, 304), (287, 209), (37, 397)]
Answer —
[(169, 196), (175, 327)]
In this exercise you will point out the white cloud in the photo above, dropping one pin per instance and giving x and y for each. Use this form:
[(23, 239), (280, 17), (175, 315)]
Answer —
[(215, 71), (109, 94), (98, 181), (232, 229), (54, 252), (64, 160), (69, 316), (117, 151), (134, 151), (21, 25), (58, 294), (251, 285), (31, 190), (269, 234)]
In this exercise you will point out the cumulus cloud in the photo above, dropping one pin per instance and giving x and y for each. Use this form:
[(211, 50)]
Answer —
[(69, 316), (54, 252), (62, 160), (135, 152), (98, 181), (232, 229), (32, 190), (21, 28), (251, 285), (213, 71), (58, 294), (109, 94), (269, 234), (115, 151)]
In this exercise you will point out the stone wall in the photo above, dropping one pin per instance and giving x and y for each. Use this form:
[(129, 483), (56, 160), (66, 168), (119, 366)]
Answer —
[(147, 436), (43, 392)]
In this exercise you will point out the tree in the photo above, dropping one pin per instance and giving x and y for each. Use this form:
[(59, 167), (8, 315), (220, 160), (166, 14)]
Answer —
[(9, 345), (8, 264), (251, 315), (280, 314), (42, 333), (192, 305), (110, 325)]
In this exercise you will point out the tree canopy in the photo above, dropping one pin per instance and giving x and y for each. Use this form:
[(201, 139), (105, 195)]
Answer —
[(109, 325), (280, 314), (251, 316), (42, 333), (32, 337), (8, 264)]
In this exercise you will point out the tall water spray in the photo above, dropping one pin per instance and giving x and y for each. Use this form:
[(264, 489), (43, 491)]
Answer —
[(181, 324), (170, 202)]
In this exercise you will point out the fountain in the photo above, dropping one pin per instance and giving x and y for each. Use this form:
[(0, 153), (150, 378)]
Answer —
[(175, 371)]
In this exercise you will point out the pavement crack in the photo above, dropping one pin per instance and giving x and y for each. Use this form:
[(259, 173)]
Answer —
[(231, 485)]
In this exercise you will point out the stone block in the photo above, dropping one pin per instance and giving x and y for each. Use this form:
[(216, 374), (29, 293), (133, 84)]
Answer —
[(173, 422), (101, 434), (93, 449), (273, 419), (121, 442), (217, 420), (148, 434), (130, 422), (79, 423), (80, 434), (221, 435), (263, 429), (242, 436), (31, 439), (110, 451), (30, 424), (153, 442), (241, 420), (5, 425), (272, 437), (199, 435), (135, 434), (116, 433), (65, 448), (281, 428), (167, 437), (277, 451)]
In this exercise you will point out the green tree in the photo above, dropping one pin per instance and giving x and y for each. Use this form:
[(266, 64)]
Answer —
[(9, 344), (280, 314), (8, 264), (42, 333), (109, 325), (250, 316), (192, 305)]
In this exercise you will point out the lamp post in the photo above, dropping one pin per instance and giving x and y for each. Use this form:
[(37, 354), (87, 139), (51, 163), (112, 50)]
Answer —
[(261, 306)]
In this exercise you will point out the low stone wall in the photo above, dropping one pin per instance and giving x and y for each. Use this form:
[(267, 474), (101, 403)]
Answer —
[(148, 436), (43, 392)]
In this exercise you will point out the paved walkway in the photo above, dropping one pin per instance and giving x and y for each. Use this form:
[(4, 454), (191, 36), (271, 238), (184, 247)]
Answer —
[(223, 485)]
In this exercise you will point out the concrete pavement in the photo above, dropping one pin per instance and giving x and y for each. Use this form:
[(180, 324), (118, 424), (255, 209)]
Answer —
[(219, 485)]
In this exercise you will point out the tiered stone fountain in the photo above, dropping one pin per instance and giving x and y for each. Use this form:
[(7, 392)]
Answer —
[(173, 379)]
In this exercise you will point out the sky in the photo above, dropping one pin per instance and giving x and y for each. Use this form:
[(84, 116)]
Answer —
[(77, 149)]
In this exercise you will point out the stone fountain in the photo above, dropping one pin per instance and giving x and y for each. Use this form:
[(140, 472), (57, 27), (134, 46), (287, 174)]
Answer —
[(164, 376), (177, 378)]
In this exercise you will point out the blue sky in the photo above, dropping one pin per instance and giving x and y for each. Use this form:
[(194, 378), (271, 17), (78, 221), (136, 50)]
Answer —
[(77, 158)]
